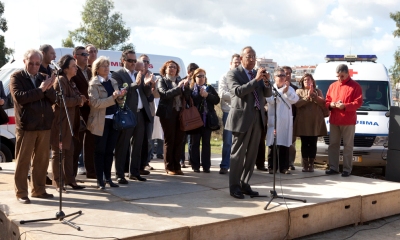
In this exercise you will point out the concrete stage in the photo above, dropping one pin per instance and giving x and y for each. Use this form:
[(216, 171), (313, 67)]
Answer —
[(198, 206)]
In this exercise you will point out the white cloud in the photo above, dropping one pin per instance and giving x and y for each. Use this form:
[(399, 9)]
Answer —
[(384, 44), (212, 52)]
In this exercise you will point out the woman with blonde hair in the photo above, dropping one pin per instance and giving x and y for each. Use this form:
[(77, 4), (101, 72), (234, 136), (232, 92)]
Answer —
[(204, 98), (104, 95), (309, 123)]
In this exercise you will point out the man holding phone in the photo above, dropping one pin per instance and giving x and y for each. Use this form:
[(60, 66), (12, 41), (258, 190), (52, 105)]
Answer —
[(33, 96)]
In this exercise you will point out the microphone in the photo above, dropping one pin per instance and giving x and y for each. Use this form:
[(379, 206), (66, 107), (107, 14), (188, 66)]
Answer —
[(55, 65)]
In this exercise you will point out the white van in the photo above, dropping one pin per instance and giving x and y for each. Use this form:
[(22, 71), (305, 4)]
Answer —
[(7, 131), (372, 126)]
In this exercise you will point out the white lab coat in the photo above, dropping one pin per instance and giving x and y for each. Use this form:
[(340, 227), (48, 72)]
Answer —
[(158, 132), (284, 123)]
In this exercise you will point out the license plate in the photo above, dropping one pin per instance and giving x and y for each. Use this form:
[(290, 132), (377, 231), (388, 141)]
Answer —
[(355, 158)]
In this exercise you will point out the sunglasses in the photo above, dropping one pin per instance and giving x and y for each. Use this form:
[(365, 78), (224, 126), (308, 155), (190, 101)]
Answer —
[(146, 61), (83, 54), (201, 76), (281, 75), (131, 60)]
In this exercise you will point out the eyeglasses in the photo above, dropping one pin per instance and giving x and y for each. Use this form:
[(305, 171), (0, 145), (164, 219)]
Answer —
[(201, 76), (131, 60), (280, 75), (146, 61), (83, 54), (172, 66)]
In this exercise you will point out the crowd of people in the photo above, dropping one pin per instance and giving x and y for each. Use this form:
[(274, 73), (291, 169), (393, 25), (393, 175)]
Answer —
[(70, 111)]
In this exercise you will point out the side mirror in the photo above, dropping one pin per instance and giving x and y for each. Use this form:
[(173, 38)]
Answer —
[(387, 114)]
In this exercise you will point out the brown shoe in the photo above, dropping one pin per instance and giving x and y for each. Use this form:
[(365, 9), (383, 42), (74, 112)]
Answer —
[(24, 200), (44, 196), (171, 173)]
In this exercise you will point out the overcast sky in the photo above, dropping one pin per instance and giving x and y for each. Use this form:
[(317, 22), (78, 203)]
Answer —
[(291, 32)]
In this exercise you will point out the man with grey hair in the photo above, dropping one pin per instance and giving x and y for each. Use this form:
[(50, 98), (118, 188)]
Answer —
[(343, 99), (225, 96), (33, 96), (246, 119), (92, 51)]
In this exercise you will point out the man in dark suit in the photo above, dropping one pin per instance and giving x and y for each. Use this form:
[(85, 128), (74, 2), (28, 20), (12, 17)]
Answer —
[(246, 119), (86, 138), (136, 101)]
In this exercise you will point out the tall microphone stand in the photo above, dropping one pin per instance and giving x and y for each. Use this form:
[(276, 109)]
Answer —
[(274, 151), (60, 215)]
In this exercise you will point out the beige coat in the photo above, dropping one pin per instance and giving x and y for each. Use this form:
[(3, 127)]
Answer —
[(309, 120), (99, 101)]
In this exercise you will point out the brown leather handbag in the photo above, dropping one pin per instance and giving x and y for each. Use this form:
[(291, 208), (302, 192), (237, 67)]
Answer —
[(190, 118)]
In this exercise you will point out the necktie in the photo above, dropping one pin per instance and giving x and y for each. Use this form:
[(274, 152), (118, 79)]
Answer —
[(254, 92)]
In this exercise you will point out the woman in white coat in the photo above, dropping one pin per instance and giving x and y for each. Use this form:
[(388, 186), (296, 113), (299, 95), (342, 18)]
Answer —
[(284, 123)]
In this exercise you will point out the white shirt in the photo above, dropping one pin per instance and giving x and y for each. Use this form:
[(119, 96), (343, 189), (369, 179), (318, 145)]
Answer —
[(132, 75)]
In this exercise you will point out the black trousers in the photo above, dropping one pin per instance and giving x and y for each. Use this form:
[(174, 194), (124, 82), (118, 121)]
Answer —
[(308, 146), (205, 136), (104, 151), (173, 137), (282, 159)]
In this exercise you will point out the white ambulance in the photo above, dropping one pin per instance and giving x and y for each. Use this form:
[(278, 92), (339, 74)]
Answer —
[(372, 128), (7, 131)]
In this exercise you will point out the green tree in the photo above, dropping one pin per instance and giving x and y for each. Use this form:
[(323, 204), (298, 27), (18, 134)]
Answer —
[(4, 51), (395, 69), (100, 28)]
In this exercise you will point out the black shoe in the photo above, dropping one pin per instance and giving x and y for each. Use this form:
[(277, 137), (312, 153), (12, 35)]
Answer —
[(270, 171), (76, 186), (237, 194), (196, 170), (262, 169), (1, 168), (160, 156), (122, 181), (44, 196), (100, 184), (144, 172), (345, 174), (24, 200), (223, 171), (331, 172), (110, 182), (138, 178), (285, 171), (206, 170), (292, 167), (48, 181), (246, 189)]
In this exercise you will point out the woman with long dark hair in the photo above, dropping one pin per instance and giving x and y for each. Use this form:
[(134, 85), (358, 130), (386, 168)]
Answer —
[(71, 100)]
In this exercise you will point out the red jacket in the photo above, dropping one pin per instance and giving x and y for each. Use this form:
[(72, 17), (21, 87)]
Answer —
[(350, 93)]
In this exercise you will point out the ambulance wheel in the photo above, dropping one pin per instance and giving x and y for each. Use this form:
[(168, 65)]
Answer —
[(5, 154)]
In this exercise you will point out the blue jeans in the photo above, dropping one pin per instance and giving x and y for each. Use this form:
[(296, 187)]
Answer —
[(227, 144)]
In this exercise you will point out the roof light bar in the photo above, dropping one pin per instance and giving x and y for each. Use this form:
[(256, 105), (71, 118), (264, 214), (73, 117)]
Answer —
[(351, 58)]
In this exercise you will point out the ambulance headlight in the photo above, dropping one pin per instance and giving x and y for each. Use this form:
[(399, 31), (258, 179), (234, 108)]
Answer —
[(380, 140)]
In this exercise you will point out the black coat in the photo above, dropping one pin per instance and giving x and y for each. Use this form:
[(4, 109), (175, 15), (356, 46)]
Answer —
[(167, 94)]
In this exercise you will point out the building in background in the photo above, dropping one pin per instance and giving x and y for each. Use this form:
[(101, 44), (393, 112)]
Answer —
[(299, 71)]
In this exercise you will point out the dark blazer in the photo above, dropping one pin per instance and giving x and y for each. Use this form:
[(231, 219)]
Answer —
[(32, 106), (121, 76), (3, 96), (167, 94), (212, 99), (242, 99), (83, 85)]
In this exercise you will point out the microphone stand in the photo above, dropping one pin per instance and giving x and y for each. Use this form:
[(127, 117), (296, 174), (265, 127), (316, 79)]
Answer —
[(273, 194), (60, 215)]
